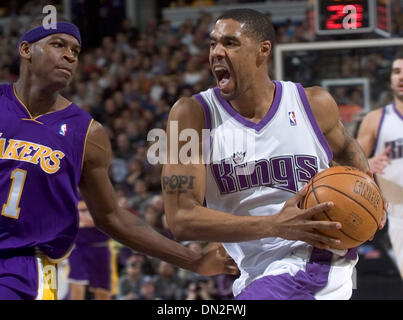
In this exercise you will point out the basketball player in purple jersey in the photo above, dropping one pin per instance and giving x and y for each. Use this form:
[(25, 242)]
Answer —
[(249, 194), (92, 262), (48, 148), (381, 138)]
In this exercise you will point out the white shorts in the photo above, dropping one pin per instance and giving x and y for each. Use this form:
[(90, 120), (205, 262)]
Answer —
[(305, 274)]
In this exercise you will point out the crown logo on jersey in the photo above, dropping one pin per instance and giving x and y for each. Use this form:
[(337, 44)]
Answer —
[(63, 129), (238, 157), (293, 119)]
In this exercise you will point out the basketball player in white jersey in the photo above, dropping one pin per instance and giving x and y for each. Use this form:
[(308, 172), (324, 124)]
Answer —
[(381, 138), (251, 194)]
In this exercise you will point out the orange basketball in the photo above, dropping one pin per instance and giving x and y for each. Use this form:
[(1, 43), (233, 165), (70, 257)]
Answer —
[(358, 204)]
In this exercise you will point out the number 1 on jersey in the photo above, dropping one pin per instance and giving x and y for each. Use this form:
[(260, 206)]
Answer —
[(11, 208)]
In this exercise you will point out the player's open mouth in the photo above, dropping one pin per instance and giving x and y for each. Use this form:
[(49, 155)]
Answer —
[(223, 76)]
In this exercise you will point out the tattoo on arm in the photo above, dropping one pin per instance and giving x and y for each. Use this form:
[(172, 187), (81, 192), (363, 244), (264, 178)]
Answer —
[(353, 155), (180, 184)]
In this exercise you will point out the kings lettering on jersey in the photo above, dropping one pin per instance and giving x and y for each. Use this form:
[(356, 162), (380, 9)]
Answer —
[(396, 151), (281, 172), (19, 150), (253, 168)]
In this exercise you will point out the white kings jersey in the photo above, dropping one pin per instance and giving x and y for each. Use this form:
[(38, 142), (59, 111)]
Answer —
[(253, 168), (390, 133)]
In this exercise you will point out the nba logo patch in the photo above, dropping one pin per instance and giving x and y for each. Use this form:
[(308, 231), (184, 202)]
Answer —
[(63, 129), (293, 119)]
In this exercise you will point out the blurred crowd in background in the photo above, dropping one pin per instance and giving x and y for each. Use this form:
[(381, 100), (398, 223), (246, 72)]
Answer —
[(130, 79)]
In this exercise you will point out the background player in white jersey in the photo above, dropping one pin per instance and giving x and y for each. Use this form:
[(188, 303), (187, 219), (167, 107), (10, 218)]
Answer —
[(381, 138), (251, 205)]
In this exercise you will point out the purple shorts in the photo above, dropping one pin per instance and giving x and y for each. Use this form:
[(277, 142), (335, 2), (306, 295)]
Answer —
[(91, 266), (302, 286), (26, 275)]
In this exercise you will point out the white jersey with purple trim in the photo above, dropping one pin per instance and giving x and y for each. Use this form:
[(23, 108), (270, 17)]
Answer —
[(390, 133), (253, 168)]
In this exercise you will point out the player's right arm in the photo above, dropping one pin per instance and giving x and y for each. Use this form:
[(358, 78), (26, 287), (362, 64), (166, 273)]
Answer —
[(367, 138), (184, 186)]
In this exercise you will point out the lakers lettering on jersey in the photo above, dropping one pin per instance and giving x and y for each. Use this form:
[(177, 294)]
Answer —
[(48, 159), (41, 161)]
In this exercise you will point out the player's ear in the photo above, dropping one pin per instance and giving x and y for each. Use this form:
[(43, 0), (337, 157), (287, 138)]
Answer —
[(264, 52), (25, 50)]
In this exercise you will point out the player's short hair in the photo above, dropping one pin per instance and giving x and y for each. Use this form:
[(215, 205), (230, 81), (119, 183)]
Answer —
[(257, 24), (398, 55)]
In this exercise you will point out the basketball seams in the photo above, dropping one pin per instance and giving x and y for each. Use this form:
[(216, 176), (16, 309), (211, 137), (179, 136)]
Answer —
[(335, 174), (348, 173), (338, 173), (361, 205), (324, 211), (347, 235), (316, 179), (327, 215)]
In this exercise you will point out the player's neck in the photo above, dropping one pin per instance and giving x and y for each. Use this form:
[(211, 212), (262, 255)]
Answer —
[(255, 102), (39, 100), (399, 104)]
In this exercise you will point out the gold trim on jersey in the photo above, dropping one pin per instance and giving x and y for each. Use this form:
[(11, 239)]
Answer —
[(29, 113), (114, 269), (85, 143), (26, 119), (57, 261)]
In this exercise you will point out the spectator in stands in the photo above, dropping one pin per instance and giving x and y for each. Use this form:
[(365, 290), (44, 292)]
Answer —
[(135, 171), (202, 288), (129, 287), (147, 290), (140, 198), (168, 285)]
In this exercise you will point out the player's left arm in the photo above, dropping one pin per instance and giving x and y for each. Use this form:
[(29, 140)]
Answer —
[(346, 150)]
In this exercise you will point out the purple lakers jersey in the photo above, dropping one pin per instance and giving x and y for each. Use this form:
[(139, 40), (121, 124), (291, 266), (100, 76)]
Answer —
[(91, 235), (40, 163)]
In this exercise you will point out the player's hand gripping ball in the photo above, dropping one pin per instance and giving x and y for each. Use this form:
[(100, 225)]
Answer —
[(358, 204)]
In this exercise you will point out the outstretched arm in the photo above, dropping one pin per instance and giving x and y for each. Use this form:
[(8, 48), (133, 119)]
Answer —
[(125, 227)]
